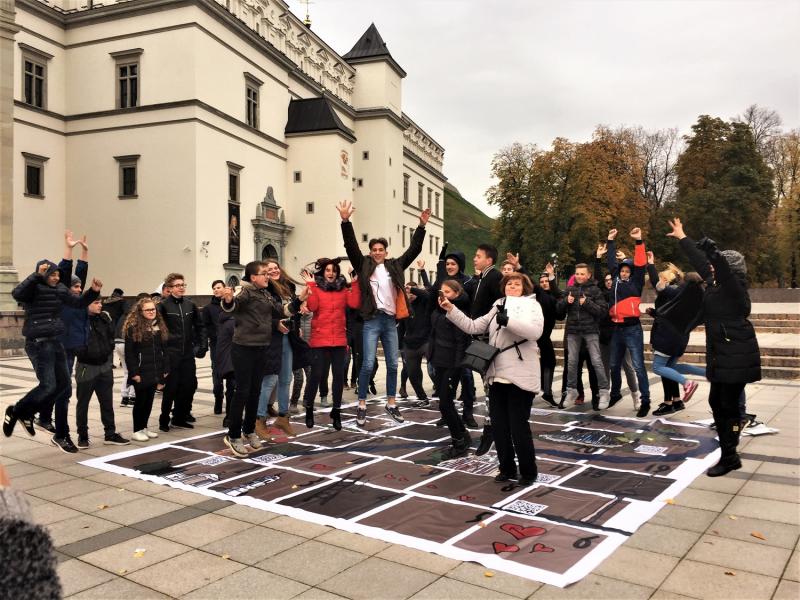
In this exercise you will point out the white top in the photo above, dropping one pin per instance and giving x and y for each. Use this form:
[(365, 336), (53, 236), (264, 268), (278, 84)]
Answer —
[(383, 290)]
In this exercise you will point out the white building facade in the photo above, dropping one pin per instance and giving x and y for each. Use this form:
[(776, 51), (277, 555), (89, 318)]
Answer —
[(198, 135)]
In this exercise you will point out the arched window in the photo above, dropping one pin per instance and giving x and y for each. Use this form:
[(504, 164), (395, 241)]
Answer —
[(269, 251)]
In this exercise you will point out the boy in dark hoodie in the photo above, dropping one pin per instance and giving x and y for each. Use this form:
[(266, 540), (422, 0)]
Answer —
[(44, 296)]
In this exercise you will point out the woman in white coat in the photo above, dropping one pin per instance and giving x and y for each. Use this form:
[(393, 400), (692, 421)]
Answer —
[(513, 376)]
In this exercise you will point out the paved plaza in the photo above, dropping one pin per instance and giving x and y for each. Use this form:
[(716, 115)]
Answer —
[(734, 537)]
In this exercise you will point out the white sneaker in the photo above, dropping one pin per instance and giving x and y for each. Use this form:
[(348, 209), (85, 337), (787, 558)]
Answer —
[(572, 395), (140, 436), (323, 400), (637, 401), (150, 434), (254, 441), (604, 400)]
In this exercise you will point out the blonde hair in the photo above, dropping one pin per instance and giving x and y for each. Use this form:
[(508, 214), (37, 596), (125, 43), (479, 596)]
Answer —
[(671, 274)]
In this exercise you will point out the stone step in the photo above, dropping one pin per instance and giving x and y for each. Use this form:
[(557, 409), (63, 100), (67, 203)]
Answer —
[(777, 327), (701, 349), (697, 358)]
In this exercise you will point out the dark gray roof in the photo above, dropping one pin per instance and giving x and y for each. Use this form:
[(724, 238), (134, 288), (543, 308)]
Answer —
[(370, 44), (314, 115)]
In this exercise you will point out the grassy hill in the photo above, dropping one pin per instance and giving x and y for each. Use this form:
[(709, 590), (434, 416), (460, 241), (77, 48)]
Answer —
[(465, 226)]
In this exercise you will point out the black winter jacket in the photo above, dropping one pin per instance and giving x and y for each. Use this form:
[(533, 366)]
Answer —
[(364, 266), (43, 305), (486, 292), (583, 319), (100, 343), (223, 362), (117, 308), (414, 331), (210, 315), (148, 359), (256, 312), (186, 332), (732, 352), (447, 342)]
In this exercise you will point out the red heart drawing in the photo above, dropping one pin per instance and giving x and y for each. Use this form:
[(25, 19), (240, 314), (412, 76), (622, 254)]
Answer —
[(542, 548), (501, 547), (466, 498), (320, 467), (519, 532)]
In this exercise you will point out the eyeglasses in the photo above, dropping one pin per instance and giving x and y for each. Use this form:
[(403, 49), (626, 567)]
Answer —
[(178, 285)]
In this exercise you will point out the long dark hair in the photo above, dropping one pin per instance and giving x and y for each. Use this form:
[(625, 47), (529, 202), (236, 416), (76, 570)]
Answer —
[(140, 327)]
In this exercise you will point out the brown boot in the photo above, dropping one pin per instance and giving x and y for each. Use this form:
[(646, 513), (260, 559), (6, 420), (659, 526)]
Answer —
[(261, 429), (284, 424)]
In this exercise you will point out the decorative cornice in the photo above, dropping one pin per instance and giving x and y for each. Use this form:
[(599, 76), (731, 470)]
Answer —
[(420, 163)]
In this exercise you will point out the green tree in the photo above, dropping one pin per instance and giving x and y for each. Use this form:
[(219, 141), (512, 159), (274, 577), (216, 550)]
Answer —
[(724, 188)]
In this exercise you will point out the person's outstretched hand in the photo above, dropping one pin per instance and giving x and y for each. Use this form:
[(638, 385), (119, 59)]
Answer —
[(677, 229), (346, 209)]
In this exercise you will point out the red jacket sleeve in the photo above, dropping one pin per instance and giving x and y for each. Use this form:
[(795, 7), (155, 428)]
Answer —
[(312, 303), (639, 255)]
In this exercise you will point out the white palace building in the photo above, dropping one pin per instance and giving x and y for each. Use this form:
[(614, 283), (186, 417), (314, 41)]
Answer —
[(197, 135)]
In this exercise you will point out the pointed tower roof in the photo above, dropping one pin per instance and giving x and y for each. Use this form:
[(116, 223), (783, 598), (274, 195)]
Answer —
[(370, 48)]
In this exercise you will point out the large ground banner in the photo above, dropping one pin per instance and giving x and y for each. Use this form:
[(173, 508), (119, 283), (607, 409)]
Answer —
[(599, 479)]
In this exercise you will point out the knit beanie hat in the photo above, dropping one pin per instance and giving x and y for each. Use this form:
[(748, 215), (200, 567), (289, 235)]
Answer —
[(74, 280), (735, 261)]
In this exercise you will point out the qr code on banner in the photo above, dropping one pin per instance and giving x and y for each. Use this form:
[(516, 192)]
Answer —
[(266, 459), (540, 411), (654, 450), (478, 465), (546, 478), (215, 460), (524, 507)]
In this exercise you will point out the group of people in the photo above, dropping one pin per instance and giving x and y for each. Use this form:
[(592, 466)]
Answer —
[(272, 329)]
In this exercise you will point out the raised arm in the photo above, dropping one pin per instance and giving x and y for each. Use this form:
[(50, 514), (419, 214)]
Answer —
[(611, 252), (639, 259), (464, 323), (415, 247), (698, 259), (346, 210)]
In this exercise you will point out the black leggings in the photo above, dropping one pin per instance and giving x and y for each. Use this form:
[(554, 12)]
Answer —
[(323, 359), (724, 401), (446, 382), (412, 365), (671, 389), (143, 405), (510, 409)]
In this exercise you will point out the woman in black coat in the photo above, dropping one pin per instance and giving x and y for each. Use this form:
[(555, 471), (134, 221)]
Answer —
[(733, 358), (446, 352), (146, 337), (223, 361)]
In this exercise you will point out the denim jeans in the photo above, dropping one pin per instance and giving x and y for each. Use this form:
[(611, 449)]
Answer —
[(283, 380), (628, 337), (669, 367), (574, 352), (382, 327), (54, 389)]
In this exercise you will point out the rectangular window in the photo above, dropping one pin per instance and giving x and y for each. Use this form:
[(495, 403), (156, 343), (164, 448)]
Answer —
[(252, 85), (34, 75), (128, 187), (365, 155), (420, 188), (436, 205), (128, 77), (404, 236), (430, 245), (430, 199), (360, 183), (128, 81), (437, 245), (390, 161), (234, 172), (364, 237), (297, 177), (406, 180), (309, 207), (34, 174)]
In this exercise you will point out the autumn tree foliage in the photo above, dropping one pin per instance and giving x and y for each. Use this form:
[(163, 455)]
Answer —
[(734, 180)]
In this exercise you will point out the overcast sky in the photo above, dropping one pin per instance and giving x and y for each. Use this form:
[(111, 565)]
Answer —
[(484, 74)]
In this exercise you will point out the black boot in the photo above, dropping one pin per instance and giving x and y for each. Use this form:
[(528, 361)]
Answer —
[(728, 432), (218, 406), (309, 416), (459, 447), (336, 417), (487, 439), (549, 399)]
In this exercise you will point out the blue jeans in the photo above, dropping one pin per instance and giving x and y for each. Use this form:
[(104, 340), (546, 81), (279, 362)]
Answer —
[(383, 327), (50, 363), (669, 367), (630, 337), (283, 380)]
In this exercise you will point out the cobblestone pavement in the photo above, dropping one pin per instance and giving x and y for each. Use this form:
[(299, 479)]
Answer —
[(729, 537)]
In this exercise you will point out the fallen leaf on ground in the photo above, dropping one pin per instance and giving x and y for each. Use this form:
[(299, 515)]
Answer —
[(669, 501), (733, 517), (758, 535), (481, 524), (294, 487), (731, 573), (139, 552), (715, 532), (488, 574), (226, 556), (122, 571), (102, 506)]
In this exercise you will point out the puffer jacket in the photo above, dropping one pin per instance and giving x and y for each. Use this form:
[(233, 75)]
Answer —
[(254, 310), (732, 352), (583, 319), (148, 359), (43, 304), (329, 302), (364, 266), (520, 368), (447, 342)]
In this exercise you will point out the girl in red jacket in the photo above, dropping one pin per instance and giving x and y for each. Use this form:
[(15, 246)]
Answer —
[(328, 297)]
